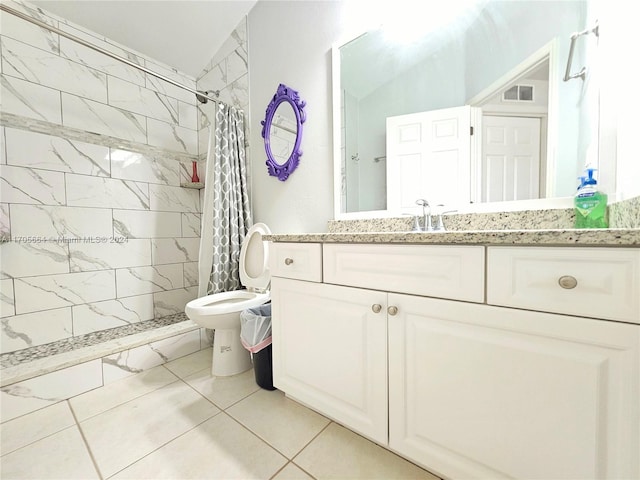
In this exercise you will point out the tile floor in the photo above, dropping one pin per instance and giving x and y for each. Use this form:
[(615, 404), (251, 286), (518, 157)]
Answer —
[(175, 421)]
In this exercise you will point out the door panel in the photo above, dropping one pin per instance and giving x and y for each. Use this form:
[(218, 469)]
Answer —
[(429, 156), (532, 395), (510, 158), (330, 352)]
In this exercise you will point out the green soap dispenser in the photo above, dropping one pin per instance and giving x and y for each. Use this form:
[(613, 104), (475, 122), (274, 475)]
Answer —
[(590, 204)]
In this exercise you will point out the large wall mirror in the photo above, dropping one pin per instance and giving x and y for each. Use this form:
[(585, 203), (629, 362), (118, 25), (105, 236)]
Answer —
[(498, 68)]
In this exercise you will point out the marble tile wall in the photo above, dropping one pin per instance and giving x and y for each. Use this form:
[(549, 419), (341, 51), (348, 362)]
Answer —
[(228, 73), (112, 245), (51, 78), (96, 230)]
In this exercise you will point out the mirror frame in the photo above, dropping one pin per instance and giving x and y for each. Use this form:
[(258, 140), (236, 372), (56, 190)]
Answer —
[(291, 96)]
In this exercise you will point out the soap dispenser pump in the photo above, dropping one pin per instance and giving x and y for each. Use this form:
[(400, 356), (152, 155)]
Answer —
[(590, 204)]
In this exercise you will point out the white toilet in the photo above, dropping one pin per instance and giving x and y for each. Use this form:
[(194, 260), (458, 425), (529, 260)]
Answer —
[(221, 311)]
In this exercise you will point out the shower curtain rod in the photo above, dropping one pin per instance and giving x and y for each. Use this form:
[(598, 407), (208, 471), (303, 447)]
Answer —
[(200, 95)]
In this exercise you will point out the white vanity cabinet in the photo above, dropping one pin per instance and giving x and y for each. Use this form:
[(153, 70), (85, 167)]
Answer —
[(477, 391), (330, 351), (528, 387), (330, 341), (331, 348)]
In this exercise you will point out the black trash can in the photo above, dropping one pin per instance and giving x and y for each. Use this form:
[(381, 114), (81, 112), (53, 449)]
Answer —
[(255, 335), (263, 368)]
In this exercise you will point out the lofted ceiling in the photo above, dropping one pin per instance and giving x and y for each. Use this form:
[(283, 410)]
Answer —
[(184, 34)]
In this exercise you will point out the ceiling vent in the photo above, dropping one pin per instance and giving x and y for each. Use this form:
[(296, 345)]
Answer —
[(518, 93)]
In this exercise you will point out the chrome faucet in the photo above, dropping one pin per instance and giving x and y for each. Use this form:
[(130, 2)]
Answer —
[(426, 215)]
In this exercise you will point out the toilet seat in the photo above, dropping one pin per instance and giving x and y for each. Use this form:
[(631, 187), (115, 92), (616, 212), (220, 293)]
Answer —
[(226, 302), (215, 311), (254, 259)]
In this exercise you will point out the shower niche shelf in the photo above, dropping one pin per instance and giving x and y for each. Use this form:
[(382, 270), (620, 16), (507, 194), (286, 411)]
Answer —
[(196, 185)]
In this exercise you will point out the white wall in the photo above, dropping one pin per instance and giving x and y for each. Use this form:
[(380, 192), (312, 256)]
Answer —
[(619, 100), (290, 42)]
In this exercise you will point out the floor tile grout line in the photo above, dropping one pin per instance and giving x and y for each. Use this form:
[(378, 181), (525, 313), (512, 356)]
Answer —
[(311, 441), (86, 442), (2, 422), (78, 423), (165, 444), (395, 454), (174, 378), (197, 391), (291, 462), (305, 471), (242, 399), (208, 399), (31, 442), (258, 437), (224, 411), (123, 403), (273, 446)]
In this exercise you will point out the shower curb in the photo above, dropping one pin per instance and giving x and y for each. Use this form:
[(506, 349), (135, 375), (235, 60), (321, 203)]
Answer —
[(89, 347)]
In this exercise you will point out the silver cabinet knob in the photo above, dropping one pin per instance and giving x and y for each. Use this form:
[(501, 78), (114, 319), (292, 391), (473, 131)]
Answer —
[(376, 307), (567, 282), (288, 261), (392, 310)]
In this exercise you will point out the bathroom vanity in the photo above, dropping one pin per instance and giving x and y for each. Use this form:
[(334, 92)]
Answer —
[(468, 355)]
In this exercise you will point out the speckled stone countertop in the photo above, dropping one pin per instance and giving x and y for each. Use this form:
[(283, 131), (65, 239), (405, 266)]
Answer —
[(553, 228), (618, 237)]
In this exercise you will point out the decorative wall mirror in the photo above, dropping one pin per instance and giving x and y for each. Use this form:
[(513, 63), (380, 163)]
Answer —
[(282, 132)]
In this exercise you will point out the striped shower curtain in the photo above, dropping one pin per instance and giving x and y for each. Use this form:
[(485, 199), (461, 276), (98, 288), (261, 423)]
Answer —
[(226, 215)]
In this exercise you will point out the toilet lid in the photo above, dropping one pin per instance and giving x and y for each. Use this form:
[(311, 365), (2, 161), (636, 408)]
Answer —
[(254, 258)]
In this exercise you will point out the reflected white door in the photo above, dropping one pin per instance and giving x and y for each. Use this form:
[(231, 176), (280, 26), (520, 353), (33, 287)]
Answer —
[(429, 156), (510, 158)]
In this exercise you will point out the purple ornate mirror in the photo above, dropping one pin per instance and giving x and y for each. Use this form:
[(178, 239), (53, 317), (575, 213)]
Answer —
[(282, 132)]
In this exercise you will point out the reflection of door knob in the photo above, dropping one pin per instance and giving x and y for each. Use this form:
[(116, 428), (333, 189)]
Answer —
[(288, 261), (376, 307), (392, 310)]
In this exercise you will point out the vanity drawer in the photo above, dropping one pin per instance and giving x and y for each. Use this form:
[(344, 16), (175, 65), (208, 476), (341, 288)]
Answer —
[(299, 261), (590, 282), (455, 272)]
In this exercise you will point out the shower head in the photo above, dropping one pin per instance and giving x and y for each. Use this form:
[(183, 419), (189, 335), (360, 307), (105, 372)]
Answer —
[(204, 97)]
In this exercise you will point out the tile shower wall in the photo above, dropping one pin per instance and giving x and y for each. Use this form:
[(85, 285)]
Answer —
[(228, 73), (97, 232)]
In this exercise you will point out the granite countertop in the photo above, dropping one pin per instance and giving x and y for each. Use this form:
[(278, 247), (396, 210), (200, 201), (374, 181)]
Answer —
[(618, 237)]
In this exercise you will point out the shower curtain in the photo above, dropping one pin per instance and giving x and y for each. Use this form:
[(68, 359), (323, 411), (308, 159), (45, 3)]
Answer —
[(226, 215)]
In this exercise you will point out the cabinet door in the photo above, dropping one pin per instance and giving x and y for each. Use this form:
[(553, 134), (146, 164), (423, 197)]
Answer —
[(330, 352), (477, 391)]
